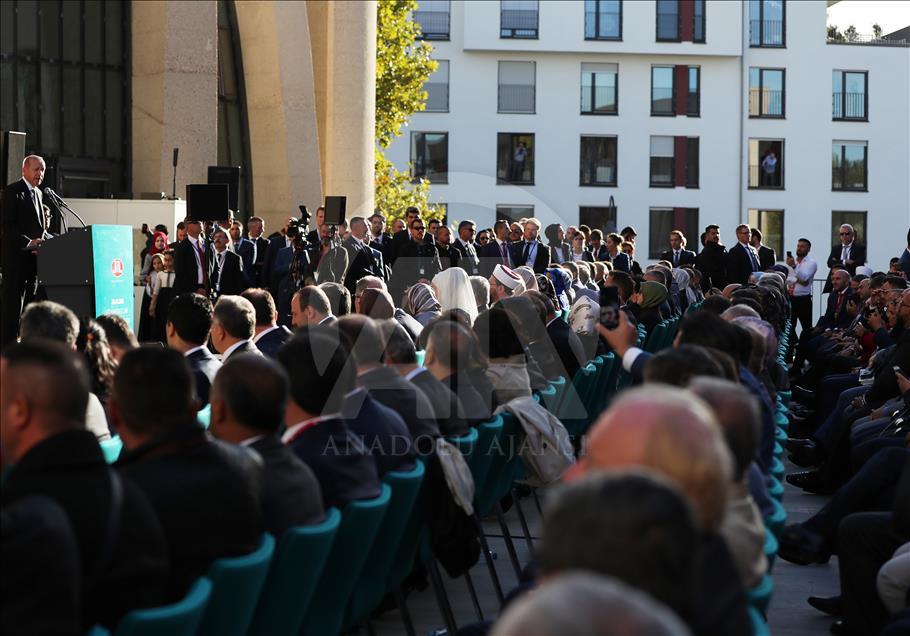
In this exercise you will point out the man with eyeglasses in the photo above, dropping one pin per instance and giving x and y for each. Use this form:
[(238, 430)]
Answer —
[(848, 254), (417, 261)]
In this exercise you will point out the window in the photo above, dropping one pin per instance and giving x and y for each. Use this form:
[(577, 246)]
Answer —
[(766, 92), (698, 21), (664, 220), (516, 87), (603, 19), (767, 23), (661, 162), (662, 90), (668, 20), (856, 219), (430, 156), (433, 18), (518, 19), (65, 80), (233, 131), (515, 158), (849, 97), (849, 165), (766, 163), (771, 225), (693, 97), (598, 89), (438, 89), (598, 161), (598, 218), (512, 213)]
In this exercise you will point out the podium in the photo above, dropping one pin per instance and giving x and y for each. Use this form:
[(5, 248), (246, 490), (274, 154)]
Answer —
[(90, 270)]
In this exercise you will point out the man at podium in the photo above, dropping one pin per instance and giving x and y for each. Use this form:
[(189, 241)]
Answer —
[(24, 227)]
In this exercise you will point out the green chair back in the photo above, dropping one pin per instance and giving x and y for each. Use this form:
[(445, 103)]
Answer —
[(573, 411), (771, 548), (489, 434), (421, 356), (759, 627), (502, 466), (204, 415), (295, 571), (236, 585), (360, 523), (370, 588), (178, 619)]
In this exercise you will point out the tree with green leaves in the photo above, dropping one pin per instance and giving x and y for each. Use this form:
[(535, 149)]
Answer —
[(876, 31), (403, 65)]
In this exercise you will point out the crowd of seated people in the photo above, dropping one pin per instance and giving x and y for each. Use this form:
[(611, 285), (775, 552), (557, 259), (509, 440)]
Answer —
[(435, 334)]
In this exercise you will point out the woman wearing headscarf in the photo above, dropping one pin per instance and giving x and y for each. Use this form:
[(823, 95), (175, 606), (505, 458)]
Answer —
[(645, 305), (562, 286), (453, 289), (421, 303), (583, 317), (528, 276), (686, 295)]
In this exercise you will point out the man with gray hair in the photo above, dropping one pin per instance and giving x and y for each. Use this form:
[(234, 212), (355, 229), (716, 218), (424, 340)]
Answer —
[(233, 327), (481, 288), (24, 228), (847, 254), (367, 282)]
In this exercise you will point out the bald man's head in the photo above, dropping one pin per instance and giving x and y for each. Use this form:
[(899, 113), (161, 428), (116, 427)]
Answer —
[(673, 432)]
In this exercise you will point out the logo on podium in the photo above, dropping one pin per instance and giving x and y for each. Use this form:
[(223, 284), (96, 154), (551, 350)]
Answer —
[(117, 267)]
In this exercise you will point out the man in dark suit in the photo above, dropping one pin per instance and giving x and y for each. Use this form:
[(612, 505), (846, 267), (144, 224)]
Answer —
[(24, 228), (191, 262), (277, 242), (382, 240), (712, 260), (402, 237), (233, 327), (847, 255), (766, 255), (361, 260), (205, 493), (531, 251), (269, 337), (248, 405), (678, 255), (468, 260), (567, 344), (417, 260), (189, 321), (252, 250), (448, 344), (49, 453), (320, 376), (313, 235), (383, 431), (226, 267), (497, 251), (741, 258)]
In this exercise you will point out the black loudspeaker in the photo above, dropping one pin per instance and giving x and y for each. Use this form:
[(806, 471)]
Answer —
[(334, 210), (207, 202), (12, 152), (231, 176)]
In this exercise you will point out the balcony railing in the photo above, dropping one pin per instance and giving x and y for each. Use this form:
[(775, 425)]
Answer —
[(868, 40), (601, 26), (434, 25), (766, 32), (600, 99), (766, 103), (758, 178), (855, 105), (518, 23), (516, 98)]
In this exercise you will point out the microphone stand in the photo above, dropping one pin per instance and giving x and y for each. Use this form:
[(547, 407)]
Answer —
[(62, 205)]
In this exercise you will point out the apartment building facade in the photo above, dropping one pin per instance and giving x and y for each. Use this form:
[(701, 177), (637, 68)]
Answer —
[(662, 115)]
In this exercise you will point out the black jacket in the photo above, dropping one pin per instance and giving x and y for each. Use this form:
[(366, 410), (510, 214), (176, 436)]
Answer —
[(252, 269), (186, 272), (387, 387), (476, 409), (448, 256), (70, 469), (382, 430), (270, 343), (885, 387), (712, 263), (541, 258), (21, 224), (686, 257), (766, 257), (290, 491), (556, 248), (204, 367), (857, 257), (413, 263), (206, 495), (491, 256), (361, 262), (246, 347), (739, 265), (468, 259), (445, 404), (569, 348), (232, 278)]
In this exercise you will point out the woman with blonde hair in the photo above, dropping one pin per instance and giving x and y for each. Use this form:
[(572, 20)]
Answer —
[(453, 290)]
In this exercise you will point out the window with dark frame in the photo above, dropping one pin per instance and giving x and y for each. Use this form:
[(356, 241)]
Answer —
[(767, 23), (516, 90), (853, 218), (430, 156), (433, 18), (662, 162), (674, 162), (437, 87), (663, 220), (515, 158), (766, 92), (514, 213), (849, 95), (603, 19), (766, 164), (849, 166), (598, 161), (693, 101), (698, 19), (601, 218), (518, 19), (771, 225), (668, 20), (599, 89), (662, 90)]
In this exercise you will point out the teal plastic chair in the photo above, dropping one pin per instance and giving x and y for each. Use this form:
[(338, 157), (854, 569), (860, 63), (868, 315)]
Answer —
[(236, 585), (179, 619), (656, 338), (777, 469), (295, 571), (771, 547), (560, 385), (112, 448), (759, 596), (547, 396), (204, 415), (371, 587), (502, 466), (759, 627), (421, 356), (776, 489), (776, 521), (487, 445), (360, 522), (602, 392), (573, 410)]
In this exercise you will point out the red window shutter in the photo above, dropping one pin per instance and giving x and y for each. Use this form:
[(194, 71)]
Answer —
[(681, 88), (686, 20), (679, 161)]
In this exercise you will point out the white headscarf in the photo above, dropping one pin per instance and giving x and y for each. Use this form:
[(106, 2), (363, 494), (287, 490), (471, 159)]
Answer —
[(681, 277), (454, 291), (584, 315), (528, 276)]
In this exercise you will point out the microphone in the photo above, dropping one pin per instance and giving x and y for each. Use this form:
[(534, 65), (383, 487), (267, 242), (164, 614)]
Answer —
[(56, 198)]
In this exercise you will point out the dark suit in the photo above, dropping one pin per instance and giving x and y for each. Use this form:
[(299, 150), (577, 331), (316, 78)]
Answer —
[(412, 263), (70, 469), (382, 430), (712, 263), (388, 387), (21, 222), (541, 258), (739, 265), (204, 367), (276, 243), (252, 267), (559, 252), (230, 281), (290, 491), (383, 243), (602, 253), (448, 256), (766, 257), (361, 262), (857, 257), (491, 256), (445, 404), (569, 348), (835, 316), (270, 343), (475, 408), (469, 261), (186, 269), (206, 496), (621, 262), (686, 257), (338, 458), (245, 347)]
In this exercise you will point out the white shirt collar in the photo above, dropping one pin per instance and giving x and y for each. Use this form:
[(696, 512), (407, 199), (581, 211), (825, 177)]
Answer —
[(193, 350), (412, 374), (292, 430), (30, 187), (262, 333), (329, 317), (231, 349), (555, 318), (249, 441)]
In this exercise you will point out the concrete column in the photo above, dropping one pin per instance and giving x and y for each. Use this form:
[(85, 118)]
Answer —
[(350, 104), (175, 93), (319, 14)]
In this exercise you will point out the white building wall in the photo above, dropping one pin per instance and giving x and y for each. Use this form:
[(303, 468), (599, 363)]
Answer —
[(723, 127)]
